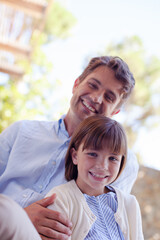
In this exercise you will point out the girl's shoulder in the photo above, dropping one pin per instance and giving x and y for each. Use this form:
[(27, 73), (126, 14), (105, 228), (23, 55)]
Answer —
[(69, 189)]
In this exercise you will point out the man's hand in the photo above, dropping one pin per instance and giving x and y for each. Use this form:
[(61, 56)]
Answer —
[(50, 224)]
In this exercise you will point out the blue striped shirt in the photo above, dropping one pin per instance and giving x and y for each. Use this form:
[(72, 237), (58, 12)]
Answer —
[(105, 227)]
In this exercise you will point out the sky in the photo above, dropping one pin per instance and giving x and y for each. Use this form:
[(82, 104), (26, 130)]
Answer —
[(100, 22)]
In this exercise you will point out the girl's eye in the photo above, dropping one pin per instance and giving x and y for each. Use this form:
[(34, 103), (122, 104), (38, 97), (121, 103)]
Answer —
[(92, 154), (113, 159)]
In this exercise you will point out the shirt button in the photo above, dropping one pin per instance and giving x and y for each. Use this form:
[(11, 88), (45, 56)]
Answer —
[(54, 162), (40, 186), (92, 216), (24, 195)]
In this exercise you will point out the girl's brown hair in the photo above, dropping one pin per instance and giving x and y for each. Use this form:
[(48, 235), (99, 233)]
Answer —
[(96, 132)]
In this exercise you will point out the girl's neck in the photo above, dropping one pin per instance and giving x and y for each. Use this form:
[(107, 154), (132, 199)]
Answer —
[(93, 192)]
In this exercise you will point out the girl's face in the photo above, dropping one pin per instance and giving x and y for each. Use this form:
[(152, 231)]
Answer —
[(96, 169)]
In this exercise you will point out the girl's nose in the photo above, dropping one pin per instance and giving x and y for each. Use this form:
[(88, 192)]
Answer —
[(103, 164)]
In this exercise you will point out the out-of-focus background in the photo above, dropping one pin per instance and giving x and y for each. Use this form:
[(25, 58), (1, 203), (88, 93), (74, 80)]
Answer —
[(45, 45)]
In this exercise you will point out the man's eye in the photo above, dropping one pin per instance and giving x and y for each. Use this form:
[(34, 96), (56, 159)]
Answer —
[(92, 85), (108, 98)]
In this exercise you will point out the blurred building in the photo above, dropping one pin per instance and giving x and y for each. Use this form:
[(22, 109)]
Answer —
[(18, 21)]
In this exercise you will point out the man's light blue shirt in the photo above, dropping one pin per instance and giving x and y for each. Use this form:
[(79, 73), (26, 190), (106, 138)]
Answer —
[(32, 159)]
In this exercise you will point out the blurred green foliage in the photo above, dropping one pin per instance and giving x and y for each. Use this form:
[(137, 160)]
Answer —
[(27, 98), (58, 22), (142, 108)]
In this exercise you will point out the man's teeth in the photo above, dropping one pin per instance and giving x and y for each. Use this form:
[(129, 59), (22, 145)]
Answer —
[(97, 175), (89, 107)]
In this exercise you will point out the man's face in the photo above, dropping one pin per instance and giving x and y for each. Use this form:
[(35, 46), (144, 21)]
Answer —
[(98, 93)]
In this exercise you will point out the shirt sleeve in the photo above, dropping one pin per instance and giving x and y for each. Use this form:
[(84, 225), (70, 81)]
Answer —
[(128, 176), (14, 222), (7, 139)]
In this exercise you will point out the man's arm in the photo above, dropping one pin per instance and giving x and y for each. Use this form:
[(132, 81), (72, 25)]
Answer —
[(7, 139), (129, 174), (14, 222), (50, 224)]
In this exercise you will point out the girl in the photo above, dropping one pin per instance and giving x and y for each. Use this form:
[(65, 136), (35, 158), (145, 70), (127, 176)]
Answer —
[(95, 158)]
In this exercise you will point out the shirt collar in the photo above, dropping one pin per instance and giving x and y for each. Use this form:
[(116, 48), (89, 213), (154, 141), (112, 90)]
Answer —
[(60, 127)]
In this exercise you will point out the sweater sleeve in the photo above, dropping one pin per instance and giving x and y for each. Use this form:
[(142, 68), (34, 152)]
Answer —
[(134, 217), (138, 222), (71, 203), (60, 204)]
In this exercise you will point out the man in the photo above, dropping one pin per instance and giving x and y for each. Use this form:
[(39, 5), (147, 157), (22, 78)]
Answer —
[(32, 152)]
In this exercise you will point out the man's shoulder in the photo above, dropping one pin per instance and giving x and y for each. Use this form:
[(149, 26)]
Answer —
[(131, 154), (30, 125), (35, 122), (132, 161), (129, 174), (24, 123), (29, 128)]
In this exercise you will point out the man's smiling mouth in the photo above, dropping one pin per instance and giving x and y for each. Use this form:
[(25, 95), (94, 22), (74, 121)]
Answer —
[(89, 107)]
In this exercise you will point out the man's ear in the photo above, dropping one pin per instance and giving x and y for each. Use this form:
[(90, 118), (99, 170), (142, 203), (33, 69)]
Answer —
[(73, 153), (76, 83), (115, 112)]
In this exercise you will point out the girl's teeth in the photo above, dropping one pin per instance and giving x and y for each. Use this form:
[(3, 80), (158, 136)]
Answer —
[(96, 175)]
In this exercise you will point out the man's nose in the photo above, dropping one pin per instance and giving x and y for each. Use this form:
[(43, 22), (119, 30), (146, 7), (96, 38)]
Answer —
[(97, 97)]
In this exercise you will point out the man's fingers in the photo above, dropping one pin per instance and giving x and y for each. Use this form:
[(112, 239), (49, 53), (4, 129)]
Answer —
[(45, 202), (53, 234), (46, 238), (60, 219), (48, 225)]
